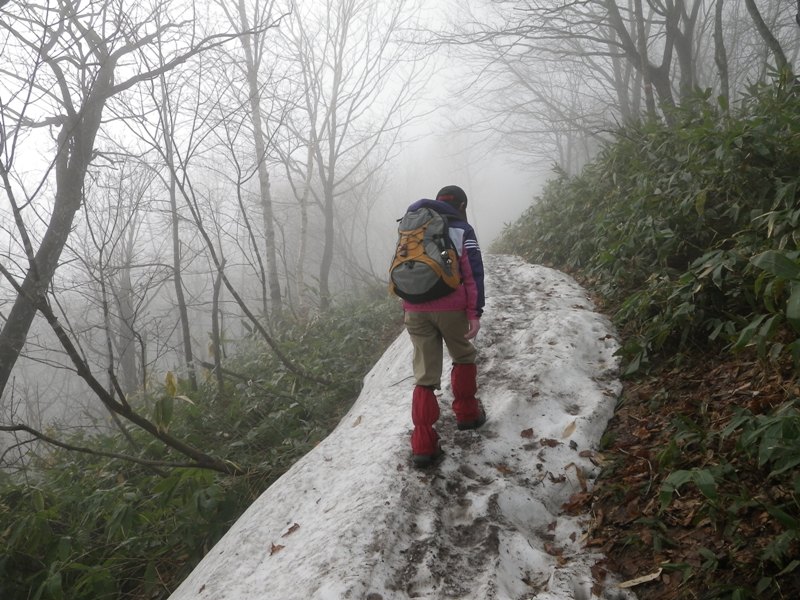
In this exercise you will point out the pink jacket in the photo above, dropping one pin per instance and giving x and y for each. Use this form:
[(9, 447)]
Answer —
[(464, 298), (469, 296)]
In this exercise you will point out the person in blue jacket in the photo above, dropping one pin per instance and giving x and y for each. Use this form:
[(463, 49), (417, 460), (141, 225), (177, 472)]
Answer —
[(454, 321)]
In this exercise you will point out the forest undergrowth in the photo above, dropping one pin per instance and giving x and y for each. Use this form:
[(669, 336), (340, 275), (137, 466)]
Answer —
[(81, 526), (688, 237), (699, 486)]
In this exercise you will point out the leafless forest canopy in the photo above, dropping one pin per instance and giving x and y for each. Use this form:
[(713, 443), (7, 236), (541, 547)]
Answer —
[(179, 176)]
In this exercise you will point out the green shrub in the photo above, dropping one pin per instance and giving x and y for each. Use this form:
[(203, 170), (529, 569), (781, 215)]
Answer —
[(689, 235), (83, 527), (679, 229)]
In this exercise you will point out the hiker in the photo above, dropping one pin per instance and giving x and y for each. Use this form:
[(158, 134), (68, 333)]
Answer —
[(454, 319)]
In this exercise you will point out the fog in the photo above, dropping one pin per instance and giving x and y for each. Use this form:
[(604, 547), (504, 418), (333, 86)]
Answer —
[(45, 391), (497, 188), (233, 170), (445, 148)]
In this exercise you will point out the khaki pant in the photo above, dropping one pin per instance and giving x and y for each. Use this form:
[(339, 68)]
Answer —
[(428, 330)]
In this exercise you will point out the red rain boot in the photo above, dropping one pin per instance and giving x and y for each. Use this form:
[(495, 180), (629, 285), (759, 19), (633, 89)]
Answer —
[(424, 439), (463, 381)]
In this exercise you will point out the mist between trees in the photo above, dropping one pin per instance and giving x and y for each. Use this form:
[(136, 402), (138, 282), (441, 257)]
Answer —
[(180, 176)]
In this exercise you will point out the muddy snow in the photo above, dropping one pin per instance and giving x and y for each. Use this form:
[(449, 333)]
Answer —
[(353, 519)]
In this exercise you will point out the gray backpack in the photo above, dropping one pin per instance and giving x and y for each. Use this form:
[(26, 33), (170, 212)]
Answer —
[(425, 264)]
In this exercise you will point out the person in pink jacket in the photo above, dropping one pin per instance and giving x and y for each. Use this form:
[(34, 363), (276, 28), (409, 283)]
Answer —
[(453, 320)]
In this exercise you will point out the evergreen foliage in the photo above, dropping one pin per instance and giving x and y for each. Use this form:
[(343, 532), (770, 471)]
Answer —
[(79, 526), (690, 232), (689, 236)]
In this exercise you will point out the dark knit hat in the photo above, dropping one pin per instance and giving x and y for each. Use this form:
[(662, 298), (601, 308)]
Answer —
[(453, 195)]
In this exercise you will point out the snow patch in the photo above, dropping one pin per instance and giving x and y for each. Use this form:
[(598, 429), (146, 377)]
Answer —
[(353, 519)]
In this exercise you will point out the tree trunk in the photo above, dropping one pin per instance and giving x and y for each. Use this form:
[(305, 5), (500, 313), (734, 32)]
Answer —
[(303, 233), (327, 177), (75, 145), (262, 277), (126, 340), (125, 335), (772, 43), (177, 265), (327, 249), (684, 45), (659, 76), (261, 158), (721, 55), (621, 82), (641, 39), (216, 337)]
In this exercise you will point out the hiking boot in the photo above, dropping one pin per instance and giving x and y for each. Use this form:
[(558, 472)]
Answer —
[(421, 461), (474, 423)]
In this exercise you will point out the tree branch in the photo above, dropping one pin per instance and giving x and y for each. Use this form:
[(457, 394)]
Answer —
[(123, 409), (86, 450)]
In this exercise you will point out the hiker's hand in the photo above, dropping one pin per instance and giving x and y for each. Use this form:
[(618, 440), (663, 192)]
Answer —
[(474, 328)]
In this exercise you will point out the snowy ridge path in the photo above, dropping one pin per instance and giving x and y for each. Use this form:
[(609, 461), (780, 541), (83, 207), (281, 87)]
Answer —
[(353, 520)]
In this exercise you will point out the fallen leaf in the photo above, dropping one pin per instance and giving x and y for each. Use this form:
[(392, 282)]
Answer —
[(581, 476), (577, 503), (596, 541), (552, 549), (504, 469), (643, 579), (275, 548), (291, 530), (549, 442), (527, 433), (598, 574), (357, 421), (569, 430), (593, 456)]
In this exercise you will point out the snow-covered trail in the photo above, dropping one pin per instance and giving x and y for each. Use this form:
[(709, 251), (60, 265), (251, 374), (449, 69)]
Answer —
[(353, 520)]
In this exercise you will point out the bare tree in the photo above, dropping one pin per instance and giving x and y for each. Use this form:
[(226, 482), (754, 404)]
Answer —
[(359, 75), (643, 56), (233, 171), (545, 71), (187, 114), (167, 127), (218, 260), (769, 39), (300, 174), (124, 270), (720, 53), (541, 64), (71, 61), (64, 65), (258, 19)]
